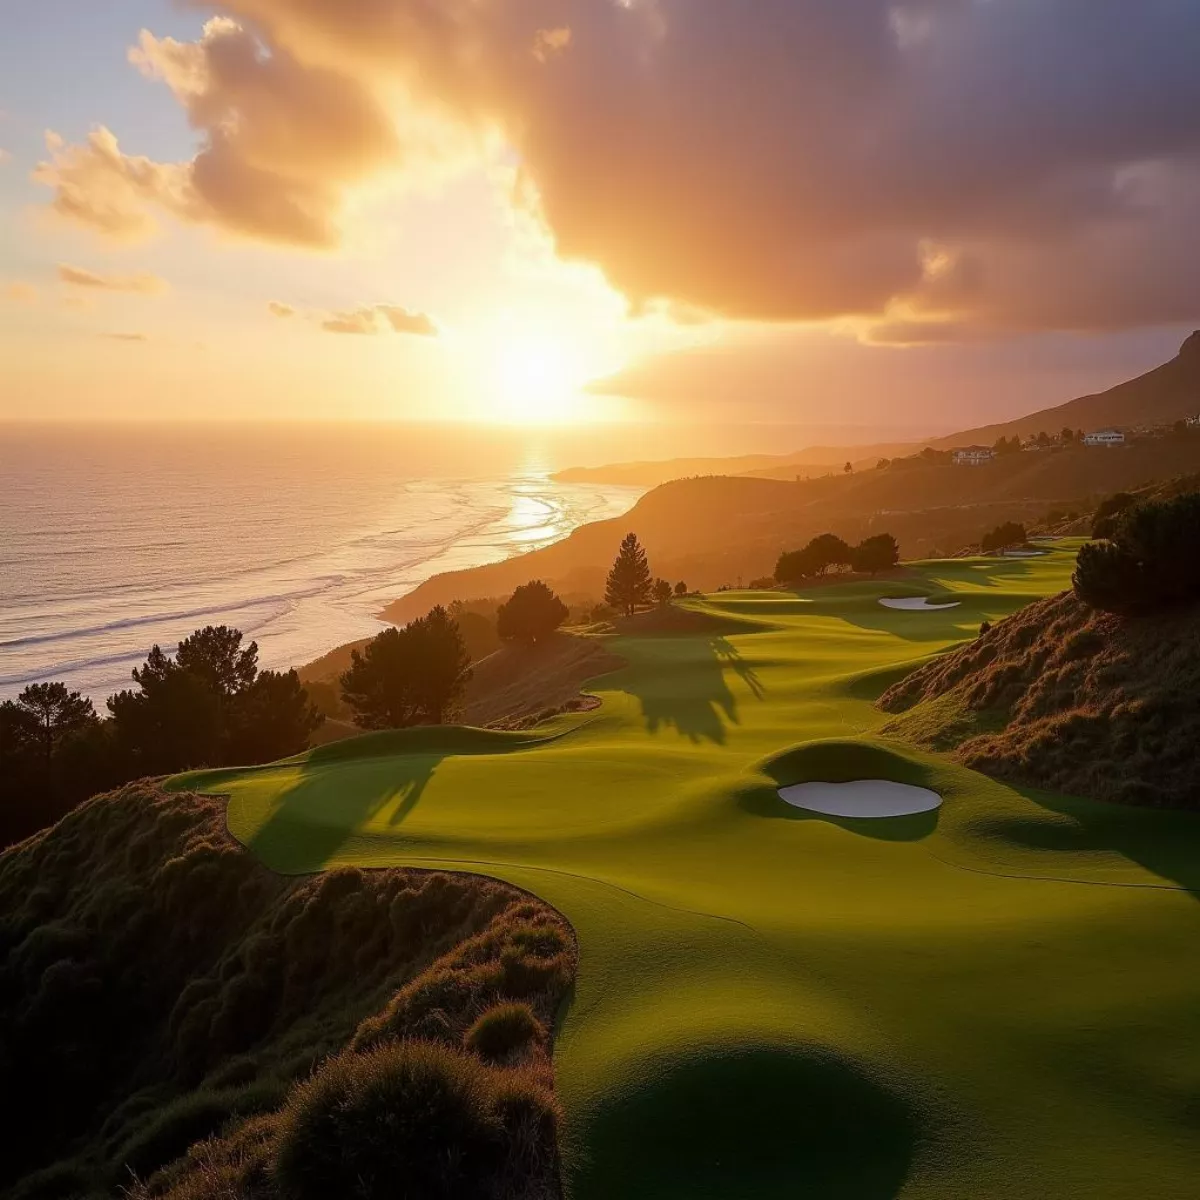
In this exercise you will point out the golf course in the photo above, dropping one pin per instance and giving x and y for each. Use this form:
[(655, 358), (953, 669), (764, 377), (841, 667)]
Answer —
[(994, 997)]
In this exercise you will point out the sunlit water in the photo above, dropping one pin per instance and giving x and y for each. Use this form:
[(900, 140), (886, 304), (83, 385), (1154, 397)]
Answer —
[(113, 541)]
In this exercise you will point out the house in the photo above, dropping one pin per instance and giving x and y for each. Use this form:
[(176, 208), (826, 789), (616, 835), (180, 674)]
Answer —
[(973, 456), (1193, 421), (1104, 437)]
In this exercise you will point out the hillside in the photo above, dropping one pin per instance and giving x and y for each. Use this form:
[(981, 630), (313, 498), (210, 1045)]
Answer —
[(1064, 697), (158, 985), (1167, 394), (710, 532)]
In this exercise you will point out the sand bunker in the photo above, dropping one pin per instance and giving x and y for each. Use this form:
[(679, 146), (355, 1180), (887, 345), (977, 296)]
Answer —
[(1022, 553), (918, 604), (866, 798)]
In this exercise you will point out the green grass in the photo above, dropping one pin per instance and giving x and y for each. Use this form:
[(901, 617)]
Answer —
[(770, 1005)]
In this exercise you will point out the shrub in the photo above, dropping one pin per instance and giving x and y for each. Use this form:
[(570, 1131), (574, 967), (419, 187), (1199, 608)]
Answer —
[(532, 613), (1104, 522), (412, 1119), (1151, 562), (503, 1030)]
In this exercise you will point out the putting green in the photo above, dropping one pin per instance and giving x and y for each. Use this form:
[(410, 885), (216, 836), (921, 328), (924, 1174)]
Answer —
[(1000, 998)]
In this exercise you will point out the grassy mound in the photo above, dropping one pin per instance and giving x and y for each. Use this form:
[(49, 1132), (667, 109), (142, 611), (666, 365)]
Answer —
[(159, 987), (1065, 697)]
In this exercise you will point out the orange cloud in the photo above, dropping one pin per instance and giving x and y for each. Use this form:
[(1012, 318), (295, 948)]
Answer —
[(142, 282), (367, 320), (124, 337), (282, 143), (278, 309)]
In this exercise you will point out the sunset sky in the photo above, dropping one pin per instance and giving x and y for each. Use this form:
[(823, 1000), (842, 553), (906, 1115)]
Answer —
[(920, 214)]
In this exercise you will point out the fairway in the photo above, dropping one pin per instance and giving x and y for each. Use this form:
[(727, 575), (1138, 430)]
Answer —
[(997, 998)]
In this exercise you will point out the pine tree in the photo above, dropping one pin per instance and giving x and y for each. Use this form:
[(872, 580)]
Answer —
[(629, 580)]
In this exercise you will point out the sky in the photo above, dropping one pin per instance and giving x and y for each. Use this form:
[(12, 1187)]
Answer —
[(911, 214)]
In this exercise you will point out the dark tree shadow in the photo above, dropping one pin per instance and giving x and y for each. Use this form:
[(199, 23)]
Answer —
[(1165, 842), (690, 693), (343, 786)]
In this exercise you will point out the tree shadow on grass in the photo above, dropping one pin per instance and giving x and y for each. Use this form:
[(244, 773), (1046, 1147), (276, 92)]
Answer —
[(1165, 842), (691, 692), (340, 789)]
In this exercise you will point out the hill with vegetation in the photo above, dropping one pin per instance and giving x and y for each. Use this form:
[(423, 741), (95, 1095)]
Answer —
[(716, 531), (178, 1021), (1065, 697)]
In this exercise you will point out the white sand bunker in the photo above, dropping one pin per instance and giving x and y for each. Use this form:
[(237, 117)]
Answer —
[(918, 604), (1022, 553), (867, 798)]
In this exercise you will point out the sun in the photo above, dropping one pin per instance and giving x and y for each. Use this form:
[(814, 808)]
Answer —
[(537, 377), (532, 369)]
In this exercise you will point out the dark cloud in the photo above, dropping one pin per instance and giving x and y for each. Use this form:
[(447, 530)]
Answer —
[(1002, 162)]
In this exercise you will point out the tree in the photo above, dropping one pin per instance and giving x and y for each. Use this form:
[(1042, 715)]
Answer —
[(681, 589), (272, 718), (662, 593), (215, 655), (54, 713), (628, 582), (1068, 435), (409, 676), (848, 469), (875, 554), (816, 558), (531, 613), (208, 706)]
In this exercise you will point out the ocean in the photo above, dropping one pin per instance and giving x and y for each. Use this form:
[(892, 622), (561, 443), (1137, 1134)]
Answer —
[(115, 538)]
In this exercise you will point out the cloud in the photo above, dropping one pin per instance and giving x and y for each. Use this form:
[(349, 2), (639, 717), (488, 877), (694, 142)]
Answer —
[(124, 337), (777, 161), (278, 309), (20, 292), (142, 282), (358, 320), (5, 156), (371, 319), (281, 141), (403, 321)]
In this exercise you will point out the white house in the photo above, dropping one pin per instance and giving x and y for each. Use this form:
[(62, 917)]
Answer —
[(973, 456), (1194, 420), (1104, 437)]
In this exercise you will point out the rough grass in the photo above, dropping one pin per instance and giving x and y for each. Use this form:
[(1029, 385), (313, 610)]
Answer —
[(159, 987), (1065, 697)]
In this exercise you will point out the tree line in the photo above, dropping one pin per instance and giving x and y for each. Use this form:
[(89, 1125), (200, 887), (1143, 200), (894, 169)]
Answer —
[(828, 551), (209, 705)]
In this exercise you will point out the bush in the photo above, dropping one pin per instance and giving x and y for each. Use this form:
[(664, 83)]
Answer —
[(1152, 561), (413, 1119), (503, 1030), (1104, 522), (532, 613)]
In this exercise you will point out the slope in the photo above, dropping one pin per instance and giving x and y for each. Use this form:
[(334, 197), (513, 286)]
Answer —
[(771, 1004), (1062, 696)]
